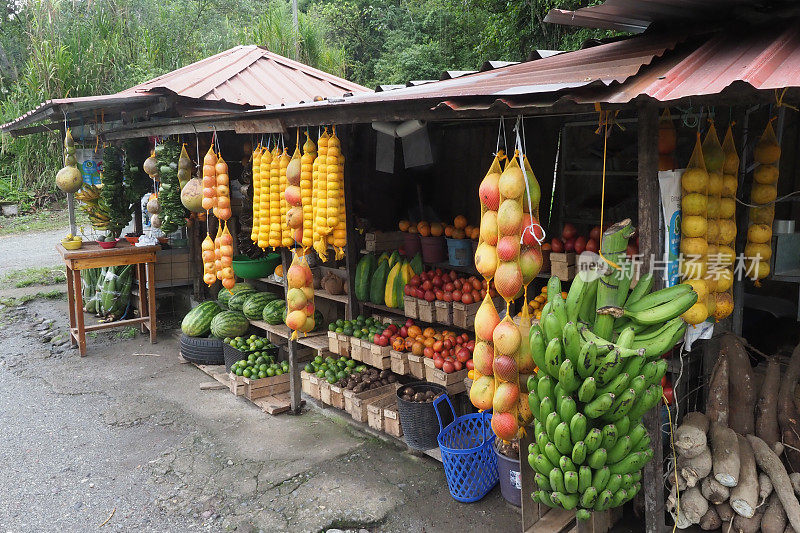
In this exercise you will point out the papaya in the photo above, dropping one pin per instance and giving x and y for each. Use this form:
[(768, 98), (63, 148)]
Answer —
[(364, 271), (416, 264), (390, 294), (400, 284), (377, 284), (394, 258)]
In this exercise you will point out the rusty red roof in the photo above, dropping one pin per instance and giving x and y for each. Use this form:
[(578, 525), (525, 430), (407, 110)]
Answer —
[(249, 75)]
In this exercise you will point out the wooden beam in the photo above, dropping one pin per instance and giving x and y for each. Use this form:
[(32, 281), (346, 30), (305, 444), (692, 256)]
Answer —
[(651, 246), (353, 168)]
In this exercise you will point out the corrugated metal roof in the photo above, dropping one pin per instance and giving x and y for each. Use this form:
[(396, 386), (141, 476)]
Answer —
[(637, 15), (244, 76), (249, 75)]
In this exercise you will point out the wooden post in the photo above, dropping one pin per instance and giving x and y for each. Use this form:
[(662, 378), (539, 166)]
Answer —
[(295, 385), (351, 251), (651, 247), (742, 218)]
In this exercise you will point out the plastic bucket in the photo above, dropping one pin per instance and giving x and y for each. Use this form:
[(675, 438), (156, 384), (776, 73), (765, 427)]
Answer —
[(418, 420), (510, 475), (433, 249), (411, 244), (459, 252)]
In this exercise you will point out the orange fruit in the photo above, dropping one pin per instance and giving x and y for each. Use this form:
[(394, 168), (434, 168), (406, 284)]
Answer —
[(476, 233), (460, 222), (412, 229), (437, 229), (448, 230), (404, 225)]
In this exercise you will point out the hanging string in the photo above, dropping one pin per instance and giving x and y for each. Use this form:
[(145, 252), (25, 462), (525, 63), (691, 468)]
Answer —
[(520, 156), (555, 174), (779, 99)]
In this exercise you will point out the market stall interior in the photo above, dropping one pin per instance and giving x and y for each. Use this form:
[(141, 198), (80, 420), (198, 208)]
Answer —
[(385, 249)]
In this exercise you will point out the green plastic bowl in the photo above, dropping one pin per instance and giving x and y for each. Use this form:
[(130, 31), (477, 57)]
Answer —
[(247, 268)]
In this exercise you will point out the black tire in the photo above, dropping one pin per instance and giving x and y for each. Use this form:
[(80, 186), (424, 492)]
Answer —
[(202, 351)]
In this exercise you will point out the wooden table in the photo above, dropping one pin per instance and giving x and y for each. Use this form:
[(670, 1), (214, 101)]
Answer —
[(91, 255)]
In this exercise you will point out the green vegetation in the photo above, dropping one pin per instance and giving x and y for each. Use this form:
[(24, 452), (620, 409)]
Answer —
[(61, 48), (126, 333), (26, 277), (41, 220), (47, 295)]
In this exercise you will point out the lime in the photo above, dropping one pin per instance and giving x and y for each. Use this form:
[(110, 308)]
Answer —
[(320, 373), (239, 371), (247, 373), (318, 359), (350, 363), (308, 369), (341, 375), (261, 374), (271, 372)]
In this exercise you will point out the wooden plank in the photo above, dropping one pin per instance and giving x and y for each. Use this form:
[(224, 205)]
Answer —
[(650, 247), (554, 521), (91, 250), (215, 371), (351, 255), (322, 293), (116, 324), (317, 341), (277, 404)]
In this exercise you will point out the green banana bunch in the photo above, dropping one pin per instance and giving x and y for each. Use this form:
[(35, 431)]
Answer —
[(590, 393)]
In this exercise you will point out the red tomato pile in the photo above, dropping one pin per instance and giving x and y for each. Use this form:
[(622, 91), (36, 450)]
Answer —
[(450, 351), (448, 287)]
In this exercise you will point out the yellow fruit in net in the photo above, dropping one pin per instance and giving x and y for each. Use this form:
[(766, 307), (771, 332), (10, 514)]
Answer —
[(692, 269), (713, 207), (727, 208), (711, 282), (694, 246), (694, 226), (725, 255), (694, 180), (696, 314), (731, 165), (712, 231), (724, 280), (699, 286), (762, 215), (714, 183), (756, 269), (766, 174), (694, 204), (711, 304), (724, 305), (767, 153), (727, 231), (758, 249), (763, 194), (759, 233), (729, 185)]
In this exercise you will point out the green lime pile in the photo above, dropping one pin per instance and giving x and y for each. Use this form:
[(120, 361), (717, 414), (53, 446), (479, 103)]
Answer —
[(259, 366), (332, 370), (251, 344), (360, 328)]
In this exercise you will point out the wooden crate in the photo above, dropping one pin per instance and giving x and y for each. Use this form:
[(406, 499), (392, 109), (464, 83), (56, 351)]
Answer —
[(411, 306), (443, 312), (425, 311), (344, 344), (259, 388), (467, 384), (379, 356), (568, 258), (380, 241), (355, 403), (237, 384), (400, 364), (335, 342), (375, 411), (391, 420), (324, 391), (173, 267), (416, 366), (313, 385), (308, 388), (337, 396), (464, 314), (356, 352), (563, 271), (454, 382)]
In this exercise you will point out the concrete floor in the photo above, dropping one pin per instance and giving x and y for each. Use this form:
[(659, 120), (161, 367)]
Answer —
[(128, 431)]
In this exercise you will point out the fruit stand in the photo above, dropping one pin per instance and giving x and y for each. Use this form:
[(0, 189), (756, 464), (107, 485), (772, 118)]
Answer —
[(450, 271)]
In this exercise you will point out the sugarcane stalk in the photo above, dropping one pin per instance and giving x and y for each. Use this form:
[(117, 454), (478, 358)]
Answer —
[(613, 247)]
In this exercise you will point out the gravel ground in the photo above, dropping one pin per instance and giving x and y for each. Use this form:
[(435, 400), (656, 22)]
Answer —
[(127, 430), (22, 250)]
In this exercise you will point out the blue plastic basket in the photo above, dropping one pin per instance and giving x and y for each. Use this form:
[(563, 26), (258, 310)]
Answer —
[(470, 464)]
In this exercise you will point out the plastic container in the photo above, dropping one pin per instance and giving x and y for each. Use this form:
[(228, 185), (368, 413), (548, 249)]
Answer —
[(106, 245), (467, 446), (434, 249), (411, 244), (510, 474), (419, 420), (459, 252), (247, 268)]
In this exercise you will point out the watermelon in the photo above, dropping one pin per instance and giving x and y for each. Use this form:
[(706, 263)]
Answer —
[(198, 321), (273, 312), (237, 300), (253, 307), (229, 324), (224, 295)]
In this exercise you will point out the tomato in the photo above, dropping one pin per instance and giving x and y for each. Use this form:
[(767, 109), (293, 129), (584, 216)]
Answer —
[(464, 337), (453, 275), (447, 344), (446, 353), (438, 362), (483, 294), (408, 290), (484, 284), (438, 282), (458, 284), (448, 297), (428, 352), (463, 355), (458, 365), (409, 323), (375, 338), (393, 327), (457, 295), (383, 341), (467, 298), (448, 287), (415, 281), (470, 364), (437, 346), (476, 285), (430, 296), (419, 294), (470, 346), (448, 367), (439, 294), (669, 395)]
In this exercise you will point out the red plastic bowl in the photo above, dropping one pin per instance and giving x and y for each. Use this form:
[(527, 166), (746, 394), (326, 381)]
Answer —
[(107, 245), (132, 240)]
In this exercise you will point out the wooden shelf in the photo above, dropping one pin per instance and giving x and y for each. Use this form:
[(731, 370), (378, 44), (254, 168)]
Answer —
[(313, 340), (599, 173), (316, 341), (278, 329), (271, 282), (401, 312), (322, 293)]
